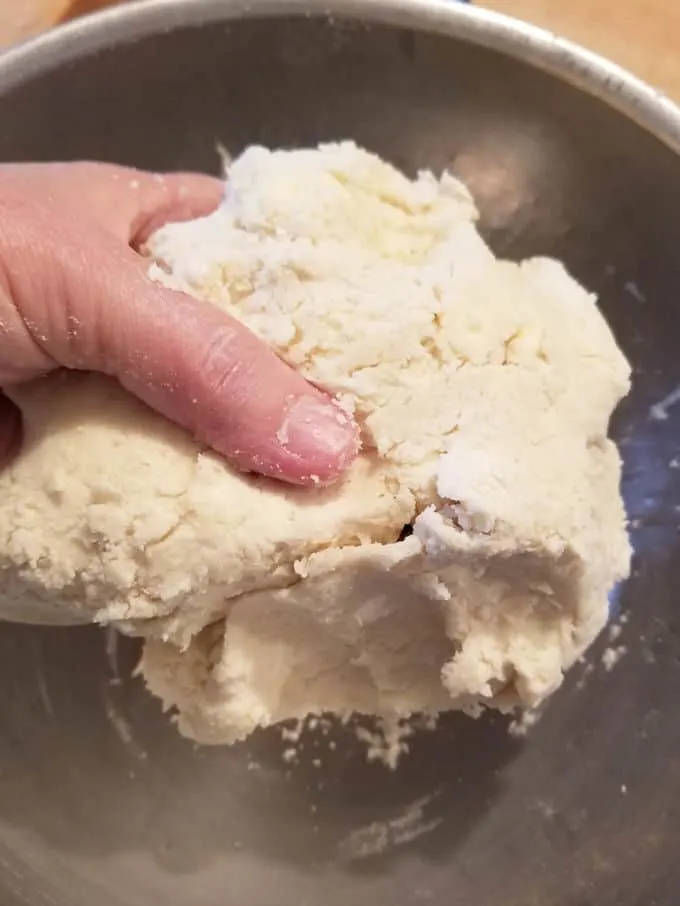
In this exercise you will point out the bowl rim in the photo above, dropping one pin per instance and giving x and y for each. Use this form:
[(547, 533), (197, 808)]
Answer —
[(586, 70)]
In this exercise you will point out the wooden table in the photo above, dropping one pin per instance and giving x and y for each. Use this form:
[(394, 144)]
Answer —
[(643, 35)]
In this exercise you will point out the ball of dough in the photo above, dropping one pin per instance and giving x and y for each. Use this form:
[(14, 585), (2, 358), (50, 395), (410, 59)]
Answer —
[(483, 389)]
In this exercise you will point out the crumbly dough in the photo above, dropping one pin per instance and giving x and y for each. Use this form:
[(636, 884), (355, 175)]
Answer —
[(484, 390)]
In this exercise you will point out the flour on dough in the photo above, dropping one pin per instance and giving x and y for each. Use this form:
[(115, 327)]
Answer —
[(483, 389)]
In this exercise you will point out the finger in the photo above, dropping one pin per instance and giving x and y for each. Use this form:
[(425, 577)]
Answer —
[(10, 431), (207, 371), (88, 303), (130, 203), (184, 197)]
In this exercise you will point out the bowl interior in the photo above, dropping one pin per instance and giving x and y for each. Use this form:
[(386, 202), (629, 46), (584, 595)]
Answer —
[(100, 801)]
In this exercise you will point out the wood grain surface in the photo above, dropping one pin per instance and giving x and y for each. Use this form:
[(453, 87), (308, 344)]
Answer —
[(19, 19), (640, 34)]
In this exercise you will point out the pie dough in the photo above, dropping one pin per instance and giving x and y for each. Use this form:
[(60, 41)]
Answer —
[(466, 560)]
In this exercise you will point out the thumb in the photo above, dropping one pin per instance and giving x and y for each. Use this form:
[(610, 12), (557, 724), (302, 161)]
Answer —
[(87, 302), (208, 372)]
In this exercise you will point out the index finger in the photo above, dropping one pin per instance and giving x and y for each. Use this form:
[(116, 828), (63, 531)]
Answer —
[(128, 203)]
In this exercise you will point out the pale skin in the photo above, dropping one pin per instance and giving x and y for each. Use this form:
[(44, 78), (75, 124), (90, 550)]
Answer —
[(75, 293)]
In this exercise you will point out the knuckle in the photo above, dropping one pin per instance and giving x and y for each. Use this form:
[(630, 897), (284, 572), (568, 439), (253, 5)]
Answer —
[(225, 366)]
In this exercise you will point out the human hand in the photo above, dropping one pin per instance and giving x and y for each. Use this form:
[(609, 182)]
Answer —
[(75, 294)]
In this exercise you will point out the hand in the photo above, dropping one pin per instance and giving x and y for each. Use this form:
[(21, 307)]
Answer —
[(75, 294)]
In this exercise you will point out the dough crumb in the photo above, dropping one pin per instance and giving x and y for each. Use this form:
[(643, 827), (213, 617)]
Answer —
[(520, 726), (382, 741), (379, 837), (612, 656)]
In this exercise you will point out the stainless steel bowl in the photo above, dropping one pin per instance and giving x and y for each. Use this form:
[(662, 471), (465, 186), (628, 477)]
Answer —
[(101, 803)]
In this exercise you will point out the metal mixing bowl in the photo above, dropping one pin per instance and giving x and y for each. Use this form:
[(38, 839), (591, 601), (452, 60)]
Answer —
[(101, 803)]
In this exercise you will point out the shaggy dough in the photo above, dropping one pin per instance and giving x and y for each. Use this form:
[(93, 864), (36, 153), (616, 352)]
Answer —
[(484, 390)]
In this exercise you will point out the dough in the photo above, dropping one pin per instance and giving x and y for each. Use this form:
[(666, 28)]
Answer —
[(484, 390)]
